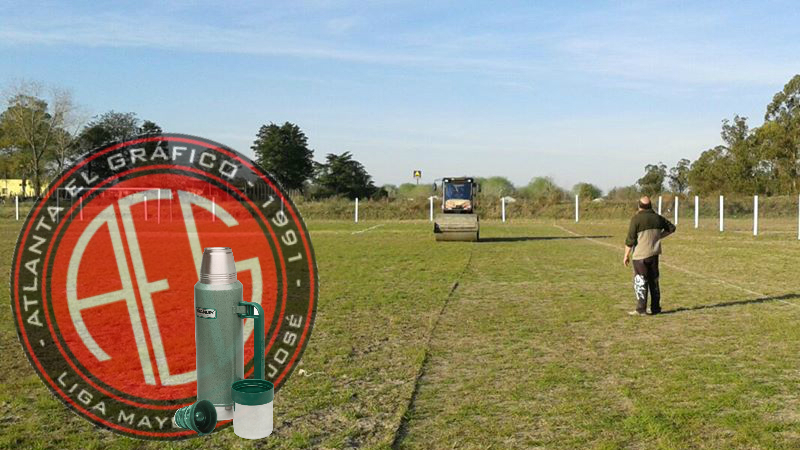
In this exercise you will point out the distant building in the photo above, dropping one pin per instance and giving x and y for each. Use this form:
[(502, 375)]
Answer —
[(10, 187)]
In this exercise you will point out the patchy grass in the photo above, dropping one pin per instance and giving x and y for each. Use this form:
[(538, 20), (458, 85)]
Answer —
[(532, 349), (536, 350)]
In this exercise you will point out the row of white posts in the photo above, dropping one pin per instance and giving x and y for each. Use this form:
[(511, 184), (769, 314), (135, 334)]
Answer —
[(697, 212), (430, 200), (577, 211)]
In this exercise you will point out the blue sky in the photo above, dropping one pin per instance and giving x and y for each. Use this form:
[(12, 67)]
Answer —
[(580, 91)]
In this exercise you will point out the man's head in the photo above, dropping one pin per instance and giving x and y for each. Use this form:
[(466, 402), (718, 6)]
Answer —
[(644, 203)]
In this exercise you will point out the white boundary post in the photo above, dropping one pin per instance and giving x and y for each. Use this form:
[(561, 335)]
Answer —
[(696, 211), (755, 215), (721, 213), (576, 208), (431, 200), (356, 209), (675, 205), (659, 205), (16, 205), (503, 208)]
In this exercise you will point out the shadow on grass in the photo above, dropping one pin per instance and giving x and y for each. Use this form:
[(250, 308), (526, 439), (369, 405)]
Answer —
[(733, 303), (536, 238)]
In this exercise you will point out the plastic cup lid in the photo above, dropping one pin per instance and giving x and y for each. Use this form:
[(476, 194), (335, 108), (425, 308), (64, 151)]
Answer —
[(252, 392)]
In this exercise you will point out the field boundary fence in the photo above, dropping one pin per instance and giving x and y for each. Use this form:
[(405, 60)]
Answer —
[(756, 214)]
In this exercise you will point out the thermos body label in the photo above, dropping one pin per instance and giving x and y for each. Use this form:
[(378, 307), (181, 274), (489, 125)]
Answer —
[(205, 313)]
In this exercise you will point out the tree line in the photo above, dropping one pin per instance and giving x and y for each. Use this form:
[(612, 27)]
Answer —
[(43, 132), (760, 160), (282, 150), (752, 160)]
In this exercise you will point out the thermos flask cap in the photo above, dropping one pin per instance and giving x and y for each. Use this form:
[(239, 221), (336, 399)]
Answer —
[(217, 266), (252, 408), (200, 417)]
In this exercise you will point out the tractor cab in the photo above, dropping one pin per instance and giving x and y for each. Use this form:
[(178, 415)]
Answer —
[(458, 220), (458, 195)]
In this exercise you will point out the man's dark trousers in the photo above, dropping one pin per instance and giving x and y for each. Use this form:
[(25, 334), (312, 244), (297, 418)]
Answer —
[(645, 279)]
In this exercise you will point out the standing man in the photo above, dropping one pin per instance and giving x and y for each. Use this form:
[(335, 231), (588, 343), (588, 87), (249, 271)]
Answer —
[(645, 232)]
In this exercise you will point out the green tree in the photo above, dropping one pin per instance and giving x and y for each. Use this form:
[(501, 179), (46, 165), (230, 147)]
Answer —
[(710, 173), (744, 157), (653, 180), (742, 165), (391, 190), (679, 176), (778, 146), (587, 191), (64, 148), (543, 190), (30, 124), (113, 126), (786, 103), (341, 175), (779, 137), (413, 190), (283, 151), (150, 127), (495, 186)]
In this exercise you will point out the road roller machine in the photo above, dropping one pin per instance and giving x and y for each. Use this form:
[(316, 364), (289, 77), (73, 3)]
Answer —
[(458, 220)]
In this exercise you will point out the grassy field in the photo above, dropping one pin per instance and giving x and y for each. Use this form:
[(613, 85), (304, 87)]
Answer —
[(518, 341)]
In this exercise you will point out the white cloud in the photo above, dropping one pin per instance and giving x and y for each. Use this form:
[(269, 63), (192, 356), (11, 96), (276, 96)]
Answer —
[(684, 63), (626, 59)]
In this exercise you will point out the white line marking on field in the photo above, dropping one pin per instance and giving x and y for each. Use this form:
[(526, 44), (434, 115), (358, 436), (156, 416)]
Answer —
[(367, 229), (680, 269)]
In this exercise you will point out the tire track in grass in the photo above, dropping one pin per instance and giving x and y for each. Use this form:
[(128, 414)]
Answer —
[(402, 428), (681, 269)]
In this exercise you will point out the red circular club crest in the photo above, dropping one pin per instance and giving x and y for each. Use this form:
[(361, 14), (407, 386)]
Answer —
[(105, 265)]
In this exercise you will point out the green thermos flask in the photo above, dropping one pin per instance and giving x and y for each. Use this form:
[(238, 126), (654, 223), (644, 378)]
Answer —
[(219, 323)]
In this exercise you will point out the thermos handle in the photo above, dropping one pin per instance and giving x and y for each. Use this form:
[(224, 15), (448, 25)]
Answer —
[(258, 336)]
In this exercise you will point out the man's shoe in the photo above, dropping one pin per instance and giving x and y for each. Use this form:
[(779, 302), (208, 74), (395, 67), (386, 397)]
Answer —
[(636, 313)]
